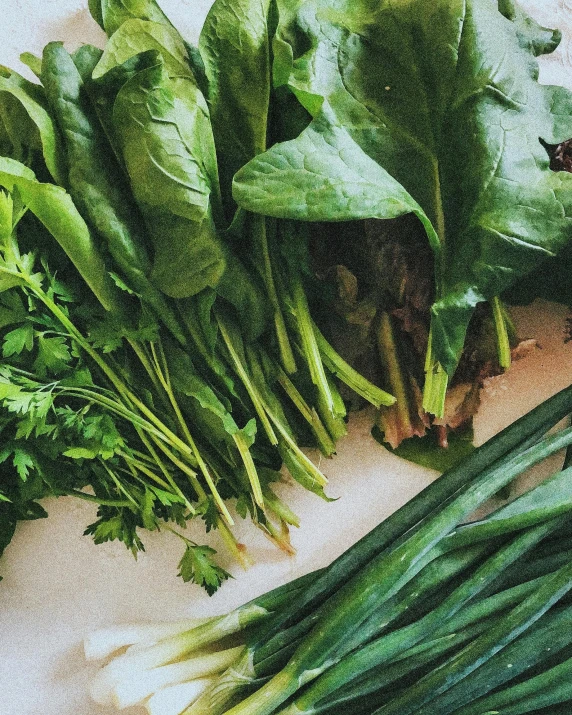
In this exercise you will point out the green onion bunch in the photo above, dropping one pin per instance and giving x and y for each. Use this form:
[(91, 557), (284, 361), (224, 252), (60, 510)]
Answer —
[(428, 613)]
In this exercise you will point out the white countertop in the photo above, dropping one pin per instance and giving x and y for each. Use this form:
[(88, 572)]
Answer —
[(58, 585)]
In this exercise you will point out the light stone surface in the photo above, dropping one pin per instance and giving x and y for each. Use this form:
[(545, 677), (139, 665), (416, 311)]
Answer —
[(58, 586)]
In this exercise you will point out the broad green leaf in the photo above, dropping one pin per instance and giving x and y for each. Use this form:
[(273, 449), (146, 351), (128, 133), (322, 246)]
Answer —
[(111, 14), (540, 40), (33, 62), (323, 167), (428, 453), (96, 11), (103, 91), (235, 43), (162, 127), (136, 36), (166, 139), (444, 98), (31, 97), (96, 182), (19, 137), (55, 209)]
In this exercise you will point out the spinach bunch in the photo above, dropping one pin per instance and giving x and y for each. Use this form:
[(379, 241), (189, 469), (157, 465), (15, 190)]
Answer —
[(433, 110)]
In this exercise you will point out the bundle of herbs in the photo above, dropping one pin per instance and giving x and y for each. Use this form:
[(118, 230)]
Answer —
[(426, 614), (147, 353)]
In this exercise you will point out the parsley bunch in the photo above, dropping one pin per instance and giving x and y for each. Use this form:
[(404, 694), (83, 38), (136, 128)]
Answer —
[(70, 422)]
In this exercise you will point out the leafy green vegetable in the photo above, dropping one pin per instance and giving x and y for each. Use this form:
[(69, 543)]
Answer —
[(33, 101), (164, 131), (55, 209), (197, 567), (428, 453), (470, 123), (53, 355), (136, 36), (19, 339), (111, 14), (165, 135), (540, 40), (96, 183), (238, 35)]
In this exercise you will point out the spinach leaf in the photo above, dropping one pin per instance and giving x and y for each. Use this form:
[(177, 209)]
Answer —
[(136, 36), (96, 11), (163, 127), (430, 108), (32, 100), (96, 182), (539, 40), (33, 62), (57, 212), (164, 131), (111, 14), (428, 453), (235, 43)]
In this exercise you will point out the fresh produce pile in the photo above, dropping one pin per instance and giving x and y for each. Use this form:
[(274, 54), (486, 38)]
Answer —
[(157, 342), (426, 614), (165, 303)]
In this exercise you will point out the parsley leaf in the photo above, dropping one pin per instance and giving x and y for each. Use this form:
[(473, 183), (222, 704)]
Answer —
[(22, 460), (53, 355), (122, 285), (197, 566), (209, 513), (17, 340), (23, 463), (120, 526)]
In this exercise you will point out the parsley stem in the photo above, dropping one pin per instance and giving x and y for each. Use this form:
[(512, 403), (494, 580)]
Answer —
[(119, 385), (139, 466), (192, 475), (166, 473), (116, 407), (143, 358), (247, 382), (118, 484), (97, 500), (162, 373)]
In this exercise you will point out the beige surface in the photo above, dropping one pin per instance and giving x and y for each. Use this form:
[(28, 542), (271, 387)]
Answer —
[(58, 586)]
